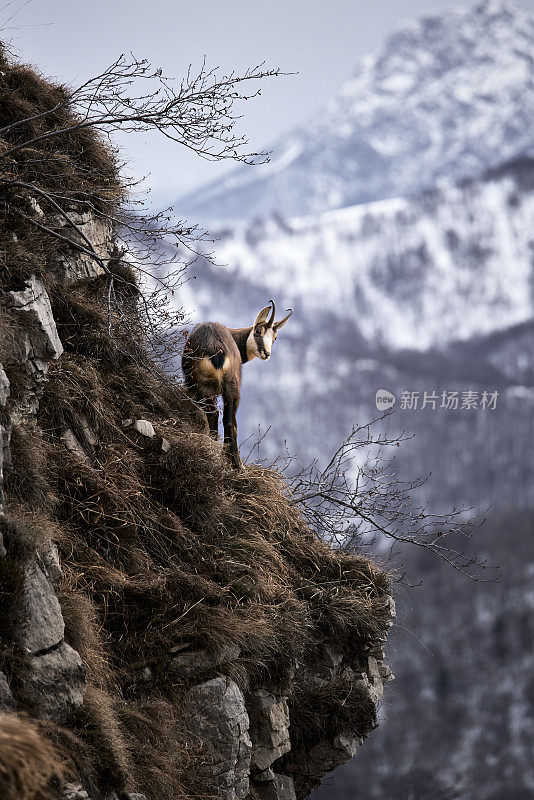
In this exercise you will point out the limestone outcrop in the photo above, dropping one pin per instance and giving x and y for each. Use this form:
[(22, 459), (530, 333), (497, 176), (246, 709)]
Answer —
[(219, 716)]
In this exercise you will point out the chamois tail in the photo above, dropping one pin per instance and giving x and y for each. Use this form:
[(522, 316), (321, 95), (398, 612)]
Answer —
[(217, 359)]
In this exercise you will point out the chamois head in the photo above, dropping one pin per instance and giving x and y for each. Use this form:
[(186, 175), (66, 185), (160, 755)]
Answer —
[(264, 332)]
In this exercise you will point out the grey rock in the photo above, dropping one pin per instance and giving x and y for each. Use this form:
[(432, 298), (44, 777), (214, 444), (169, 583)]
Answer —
[(28, 405), (7, 702), (49, 558), (375, 685), (145, 428), (76, 265), (42, 625), (265, 775), (327, 755), (378, 651), (4, 387), (36, 208), (218, 716), (35, 344), (89, 433), (33, 302), (165, 445), (74, 791), (269, 727), (3, 550), (73, 446), (5, 438), (197, 661), (386, 674), (83, 444), (53, 684), (347, 745), (310, 766), (280, 788)]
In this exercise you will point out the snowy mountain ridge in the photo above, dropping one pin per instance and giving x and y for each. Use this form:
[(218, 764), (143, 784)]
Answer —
[(410, 273), (448, 95)]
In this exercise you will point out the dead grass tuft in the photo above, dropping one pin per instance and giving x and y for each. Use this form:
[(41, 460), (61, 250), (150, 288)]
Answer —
[(320, 710), (27, 482), (79, 169), (28, 762)]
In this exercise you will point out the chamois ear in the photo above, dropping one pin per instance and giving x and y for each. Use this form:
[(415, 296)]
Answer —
[(264, 313), (282, 322)]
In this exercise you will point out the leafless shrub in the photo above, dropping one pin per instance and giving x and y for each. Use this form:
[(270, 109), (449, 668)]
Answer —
[(358, 498)]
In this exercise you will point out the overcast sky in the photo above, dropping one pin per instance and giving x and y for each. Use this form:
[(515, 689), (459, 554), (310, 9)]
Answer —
[(320, 39)]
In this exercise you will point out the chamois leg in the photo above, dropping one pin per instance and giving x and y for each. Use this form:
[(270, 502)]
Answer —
[(212, 413), (230, 431)]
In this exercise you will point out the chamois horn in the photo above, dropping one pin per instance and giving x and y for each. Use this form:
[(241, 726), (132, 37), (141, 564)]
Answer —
[(283, 321), (271, 318)]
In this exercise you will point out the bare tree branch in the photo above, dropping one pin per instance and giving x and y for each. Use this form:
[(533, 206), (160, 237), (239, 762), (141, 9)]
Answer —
[(198, 114), (358, 497)]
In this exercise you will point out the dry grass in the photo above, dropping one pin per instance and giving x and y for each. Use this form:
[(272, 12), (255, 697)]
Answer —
[(28, 762), (77, 167), (320, 710), (160, 549)]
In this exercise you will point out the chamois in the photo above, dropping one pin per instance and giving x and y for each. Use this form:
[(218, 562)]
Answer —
[(211, 363)]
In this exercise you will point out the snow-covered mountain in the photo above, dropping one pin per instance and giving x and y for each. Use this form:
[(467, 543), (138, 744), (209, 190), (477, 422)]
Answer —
[(430, 289), (409, 273), (448, 96)]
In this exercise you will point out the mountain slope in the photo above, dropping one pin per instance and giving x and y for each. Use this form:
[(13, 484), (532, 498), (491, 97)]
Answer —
[(448, 96)]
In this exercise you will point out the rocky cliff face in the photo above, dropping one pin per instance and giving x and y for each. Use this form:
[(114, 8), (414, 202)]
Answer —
[(414, 292), (247, 735), (170, 628)]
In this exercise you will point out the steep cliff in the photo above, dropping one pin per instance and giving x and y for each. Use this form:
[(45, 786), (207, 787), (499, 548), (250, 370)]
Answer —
[(170, 628)]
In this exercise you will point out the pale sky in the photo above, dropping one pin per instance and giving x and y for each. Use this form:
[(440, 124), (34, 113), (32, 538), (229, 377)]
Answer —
[(320, 39)]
